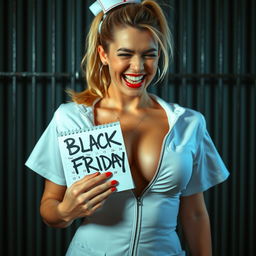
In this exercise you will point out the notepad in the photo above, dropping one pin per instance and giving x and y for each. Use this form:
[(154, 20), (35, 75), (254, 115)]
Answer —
[(97, 149)]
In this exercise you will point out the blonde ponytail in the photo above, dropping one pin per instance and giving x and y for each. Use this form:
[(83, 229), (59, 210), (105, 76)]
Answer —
[(96, 75)]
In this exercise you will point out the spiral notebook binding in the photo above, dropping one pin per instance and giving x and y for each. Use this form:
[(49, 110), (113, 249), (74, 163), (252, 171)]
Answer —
[(76, 131)]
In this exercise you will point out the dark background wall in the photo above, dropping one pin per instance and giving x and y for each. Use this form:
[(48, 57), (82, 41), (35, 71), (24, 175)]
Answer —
[(213, 71)]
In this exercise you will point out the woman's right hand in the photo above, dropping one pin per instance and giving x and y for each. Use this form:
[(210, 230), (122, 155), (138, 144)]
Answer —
[(85, 196)]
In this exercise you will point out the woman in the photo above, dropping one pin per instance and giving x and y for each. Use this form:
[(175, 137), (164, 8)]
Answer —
[(171, 155)]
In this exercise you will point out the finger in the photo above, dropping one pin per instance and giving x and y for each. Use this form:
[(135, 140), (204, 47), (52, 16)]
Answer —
[(93, 182), (86, 196), (87, 177), (75, 189), (93, 200), (90, 212), (78, 186), (101, 189), (75, 186)]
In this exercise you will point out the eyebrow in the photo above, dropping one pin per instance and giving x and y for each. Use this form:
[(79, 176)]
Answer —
[(131, 51)]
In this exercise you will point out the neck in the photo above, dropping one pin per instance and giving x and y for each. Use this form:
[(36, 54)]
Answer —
[(122, 102)]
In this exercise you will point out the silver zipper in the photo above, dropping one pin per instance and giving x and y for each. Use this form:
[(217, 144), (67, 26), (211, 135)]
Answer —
[(138, 223), (139, 199)]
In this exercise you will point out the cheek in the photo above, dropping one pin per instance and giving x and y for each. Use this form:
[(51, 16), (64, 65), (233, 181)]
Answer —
[(116, 70), (117, 66)]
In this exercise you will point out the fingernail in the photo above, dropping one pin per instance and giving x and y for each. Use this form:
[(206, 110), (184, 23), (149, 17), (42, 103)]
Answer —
[(114, 182), (108, 174), (113, 189)]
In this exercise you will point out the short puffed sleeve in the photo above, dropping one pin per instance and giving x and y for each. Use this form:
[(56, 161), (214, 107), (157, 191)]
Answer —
[(208, 167), (45, 158)]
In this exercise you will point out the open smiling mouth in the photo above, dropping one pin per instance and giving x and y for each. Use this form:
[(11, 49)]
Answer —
[(134, 81)]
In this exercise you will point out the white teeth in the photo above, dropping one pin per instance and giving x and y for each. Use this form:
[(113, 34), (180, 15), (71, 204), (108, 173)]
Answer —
[(134, 79)]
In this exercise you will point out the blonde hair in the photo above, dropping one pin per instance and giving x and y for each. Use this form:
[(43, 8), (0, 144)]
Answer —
[(146, 15)]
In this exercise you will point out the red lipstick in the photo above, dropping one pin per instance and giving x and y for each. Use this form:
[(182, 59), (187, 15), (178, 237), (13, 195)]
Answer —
[(134, 85), (138, 85)]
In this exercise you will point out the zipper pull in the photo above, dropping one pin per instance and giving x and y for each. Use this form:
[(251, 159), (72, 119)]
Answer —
[(139, 201)]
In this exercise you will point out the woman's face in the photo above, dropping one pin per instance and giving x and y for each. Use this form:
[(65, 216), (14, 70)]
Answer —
[(132, 60)]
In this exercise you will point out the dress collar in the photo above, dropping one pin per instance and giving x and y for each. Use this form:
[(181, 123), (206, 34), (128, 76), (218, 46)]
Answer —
[(173, 111)]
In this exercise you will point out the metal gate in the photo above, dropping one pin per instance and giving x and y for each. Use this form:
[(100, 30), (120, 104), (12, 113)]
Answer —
[(213, 71)]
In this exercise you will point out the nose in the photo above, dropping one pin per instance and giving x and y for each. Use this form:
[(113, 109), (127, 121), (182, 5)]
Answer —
[(137, 64)]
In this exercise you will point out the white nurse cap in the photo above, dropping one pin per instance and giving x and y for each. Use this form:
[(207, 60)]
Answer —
[(106, 5)]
